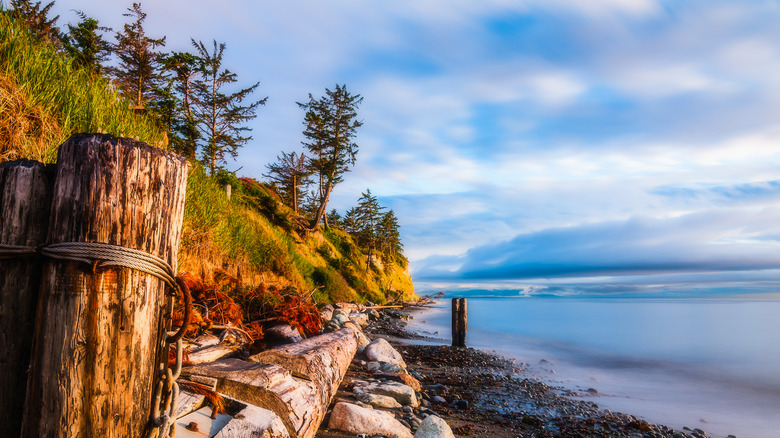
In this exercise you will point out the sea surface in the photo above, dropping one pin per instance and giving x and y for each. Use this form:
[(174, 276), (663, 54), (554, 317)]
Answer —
[(712, 364)]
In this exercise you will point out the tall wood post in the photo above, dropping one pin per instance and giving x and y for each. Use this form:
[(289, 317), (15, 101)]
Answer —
[(96, 348), (455, 321), (25, 199)]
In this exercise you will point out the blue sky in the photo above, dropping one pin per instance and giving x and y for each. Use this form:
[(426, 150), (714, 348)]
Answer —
[(629, 142)]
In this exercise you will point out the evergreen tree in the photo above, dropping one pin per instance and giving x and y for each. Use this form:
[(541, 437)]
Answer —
[(389, 236), (138, 73), (335, 218), (288, 175), (331, 125), (350, 222), (36, 19), (220, 117), (86, 45), (369, 213), (182, 70)]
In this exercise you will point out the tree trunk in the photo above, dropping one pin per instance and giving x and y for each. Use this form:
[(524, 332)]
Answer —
[(322, 359), (97, 346), (25, 199), (323, 206)]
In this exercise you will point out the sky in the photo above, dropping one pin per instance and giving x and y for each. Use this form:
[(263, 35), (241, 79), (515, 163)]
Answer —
[(543, 145)]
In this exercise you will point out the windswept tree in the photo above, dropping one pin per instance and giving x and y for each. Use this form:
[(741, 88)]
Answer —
[(138, 73), (331, 125), (85, 43), (221, 116), (36, 19), (181, 71), (289, 175)]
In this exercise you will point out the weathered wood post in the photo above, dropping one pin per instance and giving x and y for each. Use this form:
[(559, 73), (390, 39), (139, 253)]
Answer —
[(25, 199), (96, 348), (455, 321), (462, 324), (458, 322)]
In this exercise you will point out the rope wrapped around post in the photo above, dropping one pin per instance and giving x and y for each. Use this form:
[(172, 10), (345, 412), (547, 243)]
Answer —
[(100, 255)]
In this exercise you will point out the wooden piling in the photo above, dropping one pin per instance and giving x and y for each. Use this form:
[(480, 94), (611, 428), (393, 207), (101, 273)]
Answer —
[(25, 199), (459, 322), (97, 340)]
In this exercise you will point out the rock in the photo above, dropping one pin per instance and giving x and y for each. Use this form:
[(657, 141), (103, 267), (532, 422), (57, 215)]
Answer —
[(356, 420), (360, 319), (340, 317), (363, 340), (380, 350), (403, 394), (379, 401), (439, 399), (282, 334), (372, 314), (383, 367), (462, 404), (434, 427)]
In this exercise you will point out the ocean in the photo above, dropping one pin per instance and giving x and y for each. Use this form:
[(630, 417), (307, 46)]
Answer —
[(712, 364)]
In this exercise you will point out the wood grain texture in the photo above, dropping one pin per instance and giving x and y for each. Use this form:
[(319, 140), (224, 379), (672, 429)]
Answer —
[(295, 401), (25, 199), (322, 359), (97, 341)]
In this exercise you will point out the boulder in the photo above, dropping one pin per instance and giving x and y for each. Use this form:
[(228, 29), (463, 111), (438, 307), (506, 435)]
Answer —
[(434, 427), (379, 401), (381, 351), (403, 394), (358, 420)]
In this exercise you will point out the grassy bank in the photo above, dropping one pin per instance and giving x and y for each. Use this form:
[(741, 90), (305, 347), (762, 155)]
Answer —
[(252, 238)]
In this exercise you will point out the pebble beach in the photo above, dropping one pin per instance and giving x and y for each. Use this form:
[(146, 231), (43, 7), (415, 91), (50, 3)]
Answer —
[(477, 394)]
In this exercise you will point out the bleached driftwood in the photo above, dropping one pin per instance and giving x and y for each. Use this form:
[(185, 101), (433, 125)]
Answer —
[(294, 400), (322, 359)]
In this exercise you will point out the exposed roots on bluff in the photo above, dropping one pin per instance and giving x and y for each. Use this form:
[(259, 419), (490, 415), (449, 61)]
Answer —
[(225, 302)]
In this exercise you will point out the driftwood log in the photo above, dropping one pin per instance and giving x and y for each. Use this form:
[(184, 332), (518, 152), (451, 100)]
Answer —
[(322, 359), (25, 199), (97, 345), (295, 401)]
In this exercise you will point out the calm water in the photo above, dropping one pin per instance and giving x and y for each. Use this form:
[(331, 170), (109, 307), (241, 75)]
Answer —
[(712, 364)]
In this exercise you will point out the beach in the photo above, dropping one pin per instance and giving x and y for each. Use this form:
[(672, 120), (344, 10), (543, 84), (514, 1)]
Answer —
[(482, 394)]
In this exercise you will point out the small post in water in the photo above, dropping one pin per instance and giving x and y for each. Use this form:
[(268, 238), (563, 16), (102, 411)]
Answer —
[(455, 321), (462, 323), (458, 322)]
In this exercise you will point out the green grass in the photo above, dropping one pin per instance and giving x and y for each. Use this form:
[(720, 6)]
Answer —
[(40, 87)]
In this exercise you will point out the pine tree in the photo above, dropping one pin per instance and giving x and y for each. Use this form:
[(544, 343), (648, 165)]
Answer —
[(36, 19), (331, 125), (181, 69), (289, 175), (138, 73), (86, 45), (220, 117), (389, 236), (369, 212)]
